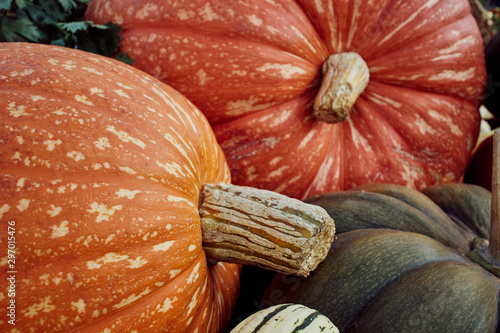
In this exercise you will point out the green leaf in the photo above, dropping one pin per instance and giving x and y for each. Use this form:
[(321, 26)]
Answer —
[(5, 4), (21, 30), (73, 27), (67, 5), (54, 10)]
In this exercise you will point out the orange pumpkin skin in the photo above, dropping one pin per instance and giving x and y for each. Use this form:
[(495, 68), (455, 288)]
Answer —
[(253, 67), (101, 167)]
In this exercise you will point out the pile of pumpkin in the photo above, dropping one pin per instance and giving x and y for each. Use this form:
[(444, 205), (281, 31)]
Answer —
[(263, 166)]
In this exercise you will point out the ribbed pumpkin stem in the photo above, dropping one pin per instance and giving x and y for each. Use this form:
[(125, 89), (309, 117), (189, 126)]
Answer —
[(257, 227), (345, 77)]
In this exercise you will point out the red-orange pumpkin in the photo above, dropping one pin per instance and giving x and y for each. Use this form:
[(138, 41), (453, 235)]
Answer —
[(101, 167), (253, 67)]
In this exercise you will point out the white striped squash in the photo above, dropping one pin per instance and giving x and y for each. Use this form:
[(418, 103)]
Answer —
[(284, 318)]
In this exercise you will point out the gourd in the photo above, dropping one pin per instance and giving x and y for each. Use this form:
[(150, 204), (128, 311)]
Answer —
[(405, 261), (117, 203), (400, 80), (286, 318)]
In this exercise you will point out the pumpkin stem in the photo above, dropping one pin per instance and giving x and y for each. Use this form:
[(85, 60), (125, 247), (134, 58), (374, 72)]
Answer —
[(495, 202), (487, 253), (345, 77), (249, 226)]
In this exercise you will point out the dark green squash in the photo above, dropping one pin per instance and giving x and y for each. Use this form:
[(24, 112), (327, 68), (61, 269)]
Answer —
[(401, 263)]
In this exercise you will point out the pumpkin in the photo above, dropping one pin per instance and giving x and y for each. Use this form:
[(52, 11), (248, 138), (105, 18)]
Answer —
[(402, 80), (286, 318), (116, 205), (403, 261)]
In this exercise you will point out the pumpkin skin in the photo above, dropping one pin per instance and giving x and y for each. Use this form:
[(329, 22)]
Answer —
[(254, 69), (101, 169), (381, 277)]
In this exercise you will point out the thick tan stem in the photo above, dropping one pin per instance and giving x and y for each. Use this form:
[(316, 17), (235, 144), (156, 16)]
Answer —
[(495, 201), (345, 77), (263, 228)]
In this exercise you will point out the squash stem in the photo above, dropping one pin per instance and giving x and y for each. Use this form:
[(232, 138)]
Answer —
[(245, 225), (487, 252), (345, 77), (495, 188)]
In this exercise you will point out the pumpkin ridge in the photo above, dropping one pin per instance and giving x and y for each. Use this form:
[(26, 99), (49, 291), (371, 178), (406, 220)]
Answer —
[(374, 304), (371, 51)]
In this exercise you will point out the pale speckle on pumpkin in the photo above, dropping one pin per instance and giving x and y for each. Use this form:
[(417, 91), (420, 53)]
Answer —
[(445, 120), (192, 247), (17, 110), (185, 14), (381, 100), (69, 65), (146, 10), (76, 155), (36, 98), (83, 99), (35, 309), (173, 198), (132, 298), (102, 143), (126, 137), (23, 204), (54, 211), (51, 144), (107, 258), (202, 77), (255, 20), (60, 230), (174, 272), (167, 304), (424, 127), (454, 75), (92, 70), (172, 168), (97, 91), (23, 73), (207, 13), (286, 71), (128, 170), (163, 246), (122, 93), (103, 211), (194, 274), (124, 193), (79, 305), (20, 182)]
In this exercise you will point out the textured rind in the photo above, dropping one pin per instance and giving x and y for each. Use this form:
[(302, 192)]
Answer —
[(382, 280), (101, 167), (253, 68)]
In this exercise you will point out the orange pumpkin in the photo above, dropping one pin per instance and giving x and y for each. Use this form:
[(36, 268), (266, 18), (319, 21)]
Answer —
[(404, 79), (101, 169)]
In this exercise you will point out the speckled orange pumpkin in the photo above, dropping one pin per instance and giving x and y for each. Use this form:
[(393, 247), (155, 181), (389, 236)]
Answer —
[(403, 80), (101, 167)]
